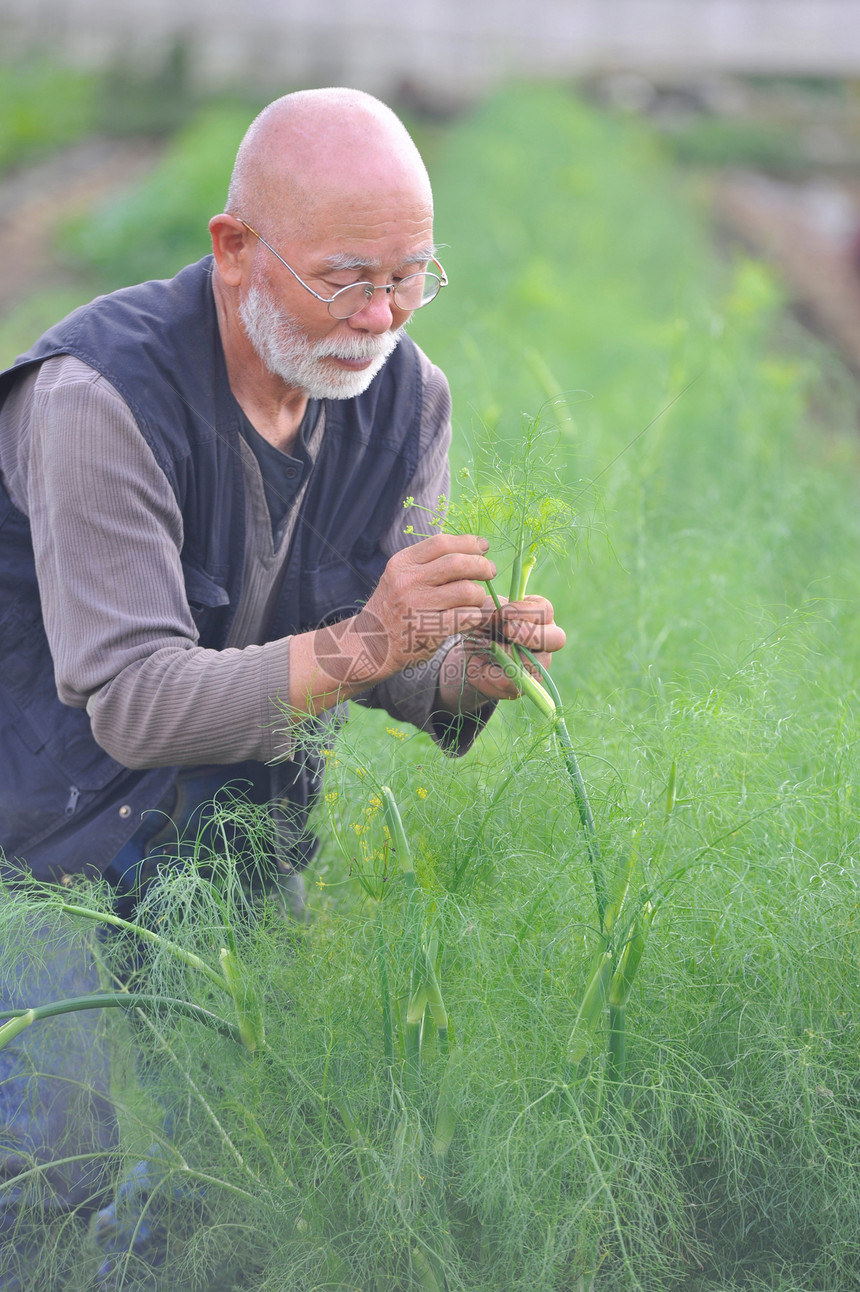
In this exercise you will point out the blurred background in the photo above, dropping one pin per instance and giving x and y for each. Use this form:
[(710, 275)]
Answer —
[(650, 216), (446, 50), (760, 97)]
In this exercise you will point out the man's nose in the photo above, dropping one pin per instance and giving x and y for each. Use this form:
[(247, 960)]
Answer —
[(377, 315)]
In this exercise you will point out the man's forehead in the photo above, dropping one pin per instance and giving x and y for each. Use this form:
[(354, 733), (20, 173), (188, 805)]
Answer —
[(347, 260), (370, 232)]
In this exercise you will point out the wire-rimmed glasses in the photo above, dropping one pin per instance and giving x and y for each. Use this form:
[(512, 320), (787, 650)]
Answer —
[(410, 293)]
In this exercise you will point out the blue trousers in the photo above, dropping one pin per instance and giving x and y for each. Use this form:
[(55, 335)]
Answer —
[(58, 1126)]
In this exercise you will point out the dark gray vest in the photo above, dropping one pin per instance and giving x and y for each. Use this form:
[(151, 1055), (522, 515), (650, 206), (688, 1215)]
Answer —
[(65, 805)]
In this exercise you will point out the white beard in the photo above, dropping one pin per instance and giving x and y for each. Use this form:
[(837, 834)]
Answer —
[(286, 351)]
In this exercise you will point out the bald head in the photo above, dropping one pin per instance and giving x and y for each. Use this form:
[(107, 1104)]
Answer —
[(314, 149)]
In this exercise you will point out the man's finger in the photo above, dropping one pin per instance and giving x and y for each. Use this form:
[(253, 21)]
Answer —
[(430, 549), (529, 610), (458, 565), (538, 636), (448, 596)]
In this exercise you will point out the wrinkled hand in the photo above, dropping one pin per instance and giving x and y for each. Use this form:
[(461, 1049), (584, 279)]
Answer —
[(427, 593), (470, 667)]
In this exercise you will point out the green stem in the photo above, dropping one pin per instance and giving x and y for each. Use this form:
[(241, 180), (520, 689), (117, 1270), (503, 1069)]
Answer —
[(245, 1001), (385, 993), (16, 1025), (604, 1186), (523, 680), (516, 576), (424, 1270), (617, 1060), (398, 836), (591, 1006), (146, 935), (528, 565), (446, 1113), (19, 1019), (631, 956), (548, 701), (493, 594), (414, 1024), (435, 1003), (580, 794)]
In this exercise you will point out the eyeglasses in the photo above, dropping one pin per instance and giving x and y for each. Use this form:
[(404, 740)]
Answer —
[(409, 294)]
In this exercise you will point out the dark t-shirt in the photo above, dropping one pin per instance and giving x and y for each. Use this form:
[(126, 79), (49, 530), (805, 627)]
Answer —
[(283, 473)]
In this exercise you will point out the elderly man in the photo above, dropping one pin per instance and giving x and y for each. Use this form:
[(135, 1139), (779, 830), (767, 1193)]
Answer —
[(203, 548)]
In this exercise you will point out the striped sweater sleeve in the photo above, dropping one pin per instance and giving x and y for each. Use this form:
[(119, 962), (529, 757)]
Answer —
[(107, 535)]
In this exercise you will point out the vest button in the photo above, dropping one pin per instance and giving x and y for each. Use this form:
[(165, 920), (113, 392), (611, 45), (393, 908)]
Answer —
[(125, 811)]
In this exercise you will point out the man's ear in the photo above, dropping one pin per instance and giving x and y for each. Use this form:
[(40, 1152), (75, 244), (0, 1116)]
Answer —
[(231, 247)]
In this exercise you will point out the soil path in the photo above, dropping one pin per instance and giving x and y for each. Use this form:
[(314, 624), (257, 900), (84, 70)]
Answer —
[(35, 199), (810, 230)]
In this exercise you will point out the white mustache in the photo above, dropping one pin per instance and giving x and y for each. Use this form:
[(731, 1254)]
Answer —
[(354, 348), (286, 350)]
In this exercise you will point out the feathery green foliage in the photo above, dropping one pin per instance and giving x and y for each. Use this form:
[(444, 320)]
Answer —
[(436, 1105)]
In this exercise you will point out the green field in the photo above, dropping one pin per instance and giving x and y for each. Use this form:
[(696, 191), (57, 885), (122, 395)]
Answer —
[(709, 584)]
